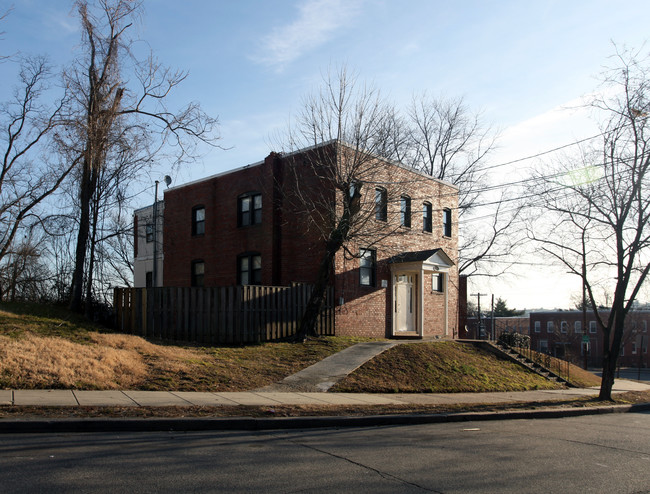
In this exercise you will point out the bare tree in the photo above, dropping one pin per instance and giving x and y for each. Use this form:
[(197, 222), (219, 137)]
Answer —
[(114, 114), (444, 139), (27, 177), (597, 212), (333, 186)]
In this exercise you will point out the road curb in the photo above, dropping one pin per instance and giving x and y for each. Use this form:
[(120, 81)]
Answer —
[(287, 423)]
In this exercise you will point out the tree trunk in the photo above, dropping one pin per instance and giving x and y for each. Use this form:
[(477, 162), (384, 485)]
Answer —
[(607, 380), (85, 195), (338, 236), (611, 350), (315, 304)]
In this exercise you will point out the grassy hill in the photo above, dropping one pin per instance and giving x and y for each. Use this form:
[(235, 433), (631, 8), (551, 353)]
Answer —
[(445, 367), (43, 347)]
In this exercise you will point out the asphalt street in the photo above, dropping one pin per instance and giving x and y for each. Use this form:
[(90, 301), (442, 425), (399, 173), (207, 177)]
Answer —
[(607, 453)]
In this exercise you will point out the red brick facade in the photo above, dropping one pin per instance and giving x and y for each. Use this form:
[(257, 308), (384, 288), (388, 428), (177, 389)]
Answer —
[(560, 333), (291, 247)]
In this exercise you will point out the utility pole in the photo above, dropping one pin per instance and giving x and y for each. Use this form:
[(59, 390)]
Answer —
[(494, 331), (155, 238), (585, 335), (479, 328)]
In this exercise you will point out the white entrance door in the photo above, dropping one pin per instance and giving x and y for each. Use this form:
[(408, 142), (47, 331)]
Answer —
[(405, 301)]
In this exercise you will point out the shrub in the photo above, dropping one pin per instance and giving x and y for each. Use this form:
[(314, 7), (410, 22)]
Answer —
[(514, 340)]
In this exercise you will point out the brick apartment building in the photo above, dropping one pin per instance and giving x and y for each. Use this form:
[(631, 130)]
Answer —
[(243, 227), (560, 333)]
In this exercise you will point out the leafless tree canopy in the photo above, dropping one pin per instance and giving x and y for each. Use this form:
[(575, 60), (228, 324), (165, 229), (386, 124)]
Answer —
[(118, 122), (28, 172), (357, 124), (598, 205)]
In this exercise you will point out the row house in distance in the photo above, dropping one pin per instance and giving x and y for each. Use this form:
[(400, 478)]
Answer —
[(246, 227), (561, 333)]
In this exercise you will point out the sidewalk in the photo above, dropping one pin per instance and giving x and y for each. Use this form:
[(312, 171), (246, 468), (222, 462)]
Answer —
[(75, 398)]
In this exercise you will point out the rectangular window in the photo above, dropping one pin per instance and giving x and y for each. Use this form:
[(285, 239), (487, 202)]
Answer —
[(249, 209), (249, 269), (405, 211), (149, 279), (564, 327), (645, 326), (198, 220), (543, 346), (427, 223), (437, 282), (592, 327), (149, 230), (549, 326), (381, 205), (577, 327), (446, 222), (367, 267), (198, 271), (634, 348), (538, 327)]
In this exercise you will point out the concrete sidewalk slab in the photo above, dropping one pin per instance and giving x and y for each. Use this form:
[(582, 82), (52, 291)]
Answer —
[(372, 399), (286, 398), (335, 398), (103, 398), (6, 397), (249, 398), (45, 397), (204, 398), (156, 398)]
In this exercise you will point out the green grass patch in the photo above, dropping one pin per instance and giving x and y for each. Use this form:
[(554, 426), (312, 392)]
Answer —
[(440, 367)]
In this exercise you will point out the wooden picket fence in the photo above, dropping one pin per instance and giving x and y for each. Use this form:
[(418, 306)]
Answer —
[(217, 315)]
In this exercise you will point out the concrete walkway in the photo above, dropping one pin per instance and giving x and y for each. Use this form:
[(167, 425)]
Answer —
[(324, 374), (75, 398)]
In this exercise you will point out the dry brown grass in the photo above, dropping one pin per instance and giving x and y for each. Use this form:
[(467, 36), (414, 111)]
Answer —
[(48, 348), (49, 362)]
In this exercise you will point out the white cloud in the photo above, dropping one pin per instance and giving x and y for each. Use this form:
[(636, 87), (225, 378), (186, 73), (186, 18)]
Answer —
[(317, 22)]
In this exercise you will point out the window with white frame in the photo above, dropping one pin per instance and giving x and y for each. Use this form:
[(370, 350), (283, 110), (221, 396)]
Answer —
[(538, 327), (367, 267), (577, 327), (549, 326), (564, 327), (592, 327)]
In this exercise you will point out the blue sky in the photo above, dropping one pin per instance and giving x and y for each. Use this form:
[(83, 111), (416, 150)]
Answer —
[(250, 62)]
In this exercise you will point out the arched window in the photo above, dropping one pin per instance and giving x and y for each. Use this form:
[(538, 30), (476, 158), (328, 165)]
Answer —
[(381, 204), (405, 211), (427, 223)]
